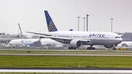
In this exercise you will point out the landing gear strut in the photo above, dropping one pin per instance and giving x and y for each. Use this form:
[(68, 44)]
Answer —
[(114, 47)]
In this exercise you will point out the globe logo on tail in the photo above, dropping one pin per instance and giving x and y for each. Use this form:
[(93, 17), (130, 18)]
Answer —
[(52, 27)]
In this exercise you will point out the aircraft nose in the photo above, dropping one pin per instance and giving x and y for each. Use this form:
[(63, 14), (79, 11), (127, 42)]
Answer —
[(120, 40)]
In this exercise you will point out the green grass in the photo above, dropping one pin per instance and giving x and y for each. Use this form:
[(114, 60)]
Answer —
[(65, 62)]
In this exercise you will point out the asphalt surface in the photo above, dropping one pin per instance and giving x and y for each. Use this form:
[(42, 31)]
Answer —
[(65, 55), (74, 52)]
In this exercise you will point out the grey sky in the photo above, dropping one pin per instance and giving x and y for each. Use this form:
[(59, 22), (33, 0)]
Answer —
[(30, 14)]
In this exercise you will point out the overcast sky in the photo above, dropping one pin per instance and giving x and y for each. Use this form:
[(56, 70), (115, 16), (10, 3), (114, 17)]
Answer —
[(30, 14)]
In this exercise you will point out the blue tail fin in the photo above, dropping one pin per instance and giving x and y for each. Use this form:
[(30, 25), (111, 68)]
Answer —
[(50, 24)]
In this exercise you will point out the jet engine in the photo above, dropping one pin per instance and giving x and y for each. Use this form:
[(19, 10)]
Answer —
[(75, 43)]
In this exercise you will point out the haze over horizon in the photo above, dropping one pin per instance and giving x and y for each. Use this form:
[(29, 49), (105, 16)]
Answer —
[(30, 14)]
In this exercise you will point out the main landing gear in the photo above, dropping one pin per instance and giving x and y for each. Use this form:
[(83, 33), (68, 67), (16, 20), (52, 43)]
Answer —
[(71, 47), (91, 47)]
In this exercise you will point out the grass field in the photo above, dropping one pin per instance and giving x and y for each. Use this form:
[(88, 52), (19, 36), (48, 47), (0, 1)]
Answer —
[(65, 62), (23, 73)]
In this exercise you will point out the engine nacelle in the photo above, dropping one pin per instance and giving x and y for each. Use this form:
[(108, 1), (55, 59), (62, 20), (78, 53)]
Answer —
[(75, 43), (108, 46)]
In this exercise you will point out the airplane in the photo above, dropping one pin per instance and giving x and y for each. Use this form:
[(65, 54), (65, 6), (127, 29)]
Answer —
[(126, 44), (23, 42), (41, 43), (76, 39)]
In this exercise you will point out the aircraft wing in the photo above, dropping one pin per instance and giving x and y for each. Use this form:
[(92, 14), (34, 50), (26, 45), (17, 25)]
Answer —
[(65, 40), (39, 33)]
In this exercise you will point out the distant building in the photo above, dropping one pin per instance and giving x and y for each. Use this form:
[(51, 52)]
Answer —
[(5, 38), (127, 36)]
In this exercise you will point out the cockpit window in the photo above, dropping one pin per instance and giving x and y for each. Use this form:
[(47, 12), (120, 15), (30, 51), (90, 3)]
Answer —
[(117, 37)]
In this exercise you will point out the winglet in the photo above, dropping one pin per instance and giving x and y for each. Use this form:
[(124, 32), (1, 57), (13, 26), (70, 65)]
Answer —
[(50, 24)]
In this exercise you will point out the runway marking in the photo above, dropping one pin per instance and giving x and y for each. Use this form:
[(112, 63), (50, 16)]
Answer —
[(67, 71)]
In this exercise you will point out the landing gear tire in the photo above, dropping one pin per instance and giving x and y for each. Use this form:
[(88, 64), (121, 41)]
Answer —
[(72, 48), (114, 48), (91, 48)]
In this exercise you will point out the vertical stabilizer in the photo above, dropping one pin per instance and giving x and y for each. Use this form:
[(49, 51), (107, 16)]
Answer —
[(50, 24)]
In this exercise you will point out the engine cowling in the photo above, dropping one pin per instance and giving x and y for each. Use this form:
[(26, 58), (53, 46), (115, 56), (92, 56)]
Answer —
[(75, 43), (108, 46)]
